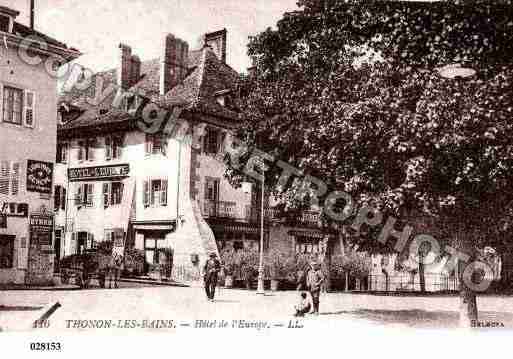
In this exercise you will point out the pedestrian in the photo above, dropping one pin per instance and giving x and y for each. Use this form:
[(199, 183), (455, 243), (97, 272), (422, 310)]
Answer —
[(304, 306), (315, 279), (114, 269), (211, 270)]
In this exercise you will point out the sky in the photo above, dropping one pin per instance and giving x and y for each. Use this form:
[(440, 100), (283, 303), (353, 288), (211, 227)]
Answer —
[(96, 27)]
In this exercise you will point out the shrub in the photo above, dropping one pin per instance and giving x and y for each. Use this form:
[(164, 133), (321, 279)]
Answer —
[(229, 261), (134, 261)]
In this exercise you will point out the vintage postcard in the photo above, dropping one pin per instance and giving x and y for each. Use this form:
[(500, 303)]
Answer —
[(274, 166)]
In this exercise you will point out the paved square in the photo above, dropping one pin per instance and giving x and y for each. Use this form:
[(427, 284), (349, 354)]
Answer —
[(186, 305)]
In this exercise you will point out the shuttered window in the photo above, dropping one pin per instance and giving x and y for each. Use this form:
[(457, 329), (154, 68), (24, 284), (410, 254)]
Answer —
[(62, 152), (155, 192), (112, 194), (59, 198), (155, 144), (85, 195), (12, 105)]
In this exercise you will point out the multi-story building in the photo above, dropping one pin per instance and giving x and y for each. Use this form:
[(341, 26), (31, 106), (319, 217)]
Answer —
[(28, 128), (159, 190)]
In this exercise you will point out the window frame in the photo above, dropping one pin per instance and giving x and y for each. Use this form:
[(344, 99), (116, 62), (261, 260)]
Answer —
[(14, 88), (62, 147)]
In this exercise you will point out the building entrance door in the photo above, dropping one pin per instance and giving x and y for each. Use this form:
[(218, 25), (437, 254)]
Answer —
[(154, 244), (81, 242)]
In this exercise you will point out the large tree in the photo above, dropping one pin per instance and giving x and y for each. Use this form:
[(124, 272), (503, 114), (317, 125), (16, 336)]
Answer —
[(351, 92)]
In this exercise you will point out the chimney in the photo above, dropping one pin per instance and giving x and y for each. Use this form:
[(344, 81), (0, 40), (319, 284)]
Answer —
[(217, 41), (135, 73), (173, 63), (32, 14), (125, 66)]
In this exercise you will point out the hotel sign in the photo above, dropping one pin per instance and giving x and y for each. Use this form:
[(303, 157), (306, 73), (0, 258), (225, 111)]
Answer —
[(39, 176), (98, 173)]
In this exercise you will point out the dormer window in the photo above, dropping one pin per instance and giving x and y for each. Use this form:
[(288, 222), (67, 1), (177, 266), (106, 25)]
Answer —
[(5, 23), (7, 17)]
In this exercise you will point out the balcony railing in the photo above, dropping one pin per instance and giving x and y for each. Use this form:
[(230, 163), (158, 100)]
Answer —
[(219, 209), (251, 213)]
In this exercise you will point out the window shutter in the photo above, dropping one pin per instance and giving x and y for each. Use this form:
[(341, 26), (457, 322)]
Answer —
[(163, 193), (15, 178), (222, 140), (146, 194), (57, 198), (207, 197), (121, 190), (30, 99), (89, 194), (4, 178), (108, 148), (163, 145), (63, 198), (106, 196), (78, 196), (149, 144), (64, 153)]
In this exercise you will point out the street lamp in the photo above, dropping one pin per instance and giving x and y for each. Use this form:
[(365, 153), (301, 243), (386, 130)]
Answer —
[(246, 188), (453, 71)]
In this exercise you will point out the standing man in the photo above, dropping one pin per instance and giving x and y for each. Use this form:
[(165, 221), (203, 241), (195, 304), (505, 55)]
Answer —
[(210, 270), (314, 283)]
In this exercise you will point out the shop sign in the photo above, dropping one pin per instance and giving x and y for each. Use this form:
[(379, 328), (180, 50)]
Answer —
[(14, 209), (39, 176), (41, 228), (98, 173)]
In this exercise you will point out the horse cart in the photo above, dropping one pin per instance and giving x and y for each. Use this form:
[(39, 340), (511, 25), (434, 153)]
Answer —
[(83, 268)]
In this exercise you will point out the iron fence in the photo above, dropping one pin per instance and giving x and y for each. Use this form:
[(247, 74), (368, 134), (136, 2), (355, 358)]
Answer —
[(434, 282)]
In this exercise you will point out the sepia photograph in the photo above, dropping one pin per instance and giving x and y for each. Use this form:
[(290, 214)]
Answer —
[(273, 167)]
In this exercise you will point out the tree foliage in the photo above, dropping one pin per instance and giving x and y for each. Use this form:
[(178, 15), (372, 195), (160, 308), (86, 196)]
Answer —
[(350, 92)]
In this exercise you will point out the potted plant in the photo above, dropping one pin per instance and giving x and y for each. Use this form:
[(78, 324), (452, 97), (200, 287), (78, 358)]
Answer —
[(275, 263), (228, 262), (249, 261)]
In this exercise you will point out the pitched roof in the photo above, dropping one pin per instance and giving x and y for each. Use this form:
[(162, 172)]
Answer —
[(197, 93)]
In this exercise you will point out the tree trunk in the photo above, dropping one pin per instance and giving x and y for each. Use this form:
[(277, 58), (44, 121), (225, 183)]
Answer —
[(468, 301), (346, 282), (422, 278), (327, 263)]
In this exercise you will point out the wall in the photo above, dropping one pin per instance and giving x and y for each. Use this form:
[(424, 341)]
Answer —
[(19, 143)]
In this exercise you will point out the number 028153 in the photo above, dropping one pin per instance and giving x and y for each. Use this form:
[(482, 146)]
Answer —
[(48, 346)]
